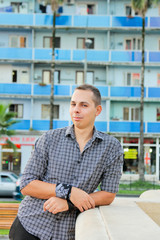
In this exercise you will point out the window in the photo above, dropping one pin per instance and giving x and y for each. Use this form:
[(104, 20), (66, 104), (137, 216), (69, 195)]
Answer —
[(45, 111), (79, 77), (47, 42), (18, 109), (81, 43), (132, 79), (91, 9), (90, 77), (57, 76), (158, 114), (14, 75), (133, 44), (46, 76), (18, 41), (6, 179), (130, 114), (158, 80), (128, 10)]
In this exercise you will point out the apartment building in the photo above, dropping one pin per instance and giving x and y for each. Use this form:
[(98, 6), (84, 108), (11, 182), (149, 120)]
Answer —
[(97, 42)]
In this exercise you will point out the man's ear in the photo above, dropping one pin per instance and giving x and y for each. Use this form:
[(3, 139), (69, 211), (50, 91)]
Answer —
[(98, 110)]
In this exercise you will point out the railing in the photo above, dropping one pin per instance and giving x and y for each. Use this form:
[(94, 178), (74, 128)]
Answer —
[(114, 126), (67, 90), (76, 55), (96, 21)]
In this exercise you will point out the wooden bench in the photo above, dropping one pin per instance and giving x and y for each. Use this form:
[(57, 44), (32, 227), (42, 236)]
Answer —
[(8, 212)]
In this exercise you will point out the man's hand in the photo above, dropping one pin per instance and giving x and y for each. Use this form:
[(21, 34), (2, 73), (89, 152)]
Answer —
[(81, 199), (55, 205)]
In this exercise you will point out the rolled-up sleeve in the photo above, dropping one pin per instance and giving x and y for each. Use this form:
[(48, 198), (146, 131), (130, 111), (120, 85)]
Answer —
[(37, 163), (113, 171)]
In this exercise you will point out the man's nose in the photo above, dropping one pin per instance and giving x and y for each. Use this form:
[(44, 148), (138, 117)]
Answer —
[(76, 108)]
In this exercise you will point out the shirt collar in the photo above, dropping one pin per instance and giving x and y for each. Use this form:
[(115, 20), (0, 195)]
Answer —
[(96, 134)]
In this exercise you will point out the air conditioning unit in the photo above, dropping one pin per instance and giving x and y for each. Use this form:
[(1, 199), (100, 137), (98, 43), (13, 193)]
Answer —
[(69, 2)]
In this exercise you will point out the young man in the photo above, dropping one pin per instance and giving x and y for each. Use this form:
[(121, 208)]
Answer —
[(64, 170)]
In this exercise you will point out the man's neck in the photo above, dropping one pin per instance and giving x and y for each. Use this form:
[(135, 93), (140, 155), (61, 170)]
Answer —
[(83, 134)]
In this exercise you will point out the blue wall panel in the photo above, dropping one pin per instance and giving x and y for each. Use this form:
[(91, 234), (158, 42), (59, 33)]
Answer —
[(126, 92), (153, 127), (154, 92), (124, 126), (15, 88), (62, 90), (43, 54), (21, 125), (128, 22), (91, 21), (155, 22), (154, 56), (101, 126), (47, 20), (43, 125), (61, 54), (16, 53), (126, 56), (16, 19)]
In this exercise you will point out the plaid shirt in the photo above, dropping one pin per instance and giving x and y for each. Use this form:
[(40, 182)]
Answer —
[(57, 158)]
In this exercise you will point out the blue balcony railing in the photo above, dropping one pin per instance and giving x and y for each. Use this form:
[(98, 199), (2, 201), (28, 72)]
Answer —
[(126, 92), (117, 126), (14, 88), (114, 126), (97, 21), (67, 90), (67, 55)]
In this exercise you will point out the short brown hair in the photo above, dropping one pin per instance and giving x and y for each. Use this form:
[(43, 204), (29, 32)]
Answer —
[(94, 90)]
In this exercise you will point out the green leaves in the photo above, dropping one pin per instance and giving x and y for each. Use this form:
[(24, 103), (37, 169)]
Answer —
[(142, 5), (6, 120)]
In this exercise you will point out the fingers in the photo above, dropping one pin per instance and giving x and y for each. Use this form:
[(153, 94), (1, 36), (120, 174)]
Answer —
[(55, 205)]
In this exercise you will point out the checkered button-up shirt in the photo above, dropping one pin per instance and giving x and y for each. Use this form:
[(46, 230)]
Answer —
[(57, 159)]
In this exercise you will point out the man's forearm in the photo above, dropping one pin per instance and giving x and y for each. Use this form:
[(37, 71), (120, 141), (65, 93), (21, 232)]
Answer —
[(39, 189), (103, 198)]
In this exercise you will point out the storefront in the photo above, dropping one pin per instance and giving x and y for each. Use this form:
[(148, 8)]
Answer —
[(131, 146), (16, 161)]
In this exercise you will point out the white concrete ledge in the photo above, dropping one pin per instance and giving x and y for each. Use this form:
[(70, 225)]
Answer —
[(121, 220)]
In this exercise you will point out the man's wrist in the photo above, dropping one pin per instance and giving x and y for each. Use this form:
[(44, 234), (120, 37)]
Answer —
[(63, 190)]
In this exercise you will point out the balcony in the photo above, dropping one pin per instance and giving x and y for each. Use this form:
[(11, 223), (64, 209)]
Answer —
[(96, 21), (67, 90), (76, 55), (114, 126)]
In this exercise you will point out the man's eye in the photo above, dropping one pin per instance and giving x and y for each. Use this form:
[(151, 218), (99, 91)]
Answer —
[(84, 105), (73, 104)]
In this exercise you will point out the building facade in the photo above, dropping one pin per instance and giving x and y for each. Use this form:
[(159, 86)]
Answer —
[(97, 42)]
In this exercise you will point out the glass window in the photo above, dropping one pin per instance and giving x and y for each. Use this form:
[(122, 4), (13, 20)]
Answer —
[(150, 159), (14, 41), (130, 160), (158, 114), (6, 179), (128, 11), (128, 45), (47, 42), (79, 77), (91, 9), (81, 43), (18, 109), (45, 111), (11, 162), (46, 76), (125, 113)]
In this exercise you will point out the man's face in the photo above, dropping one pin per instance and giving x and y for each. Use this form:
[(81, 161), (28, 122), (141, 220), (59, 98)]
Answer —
[(82, 109)]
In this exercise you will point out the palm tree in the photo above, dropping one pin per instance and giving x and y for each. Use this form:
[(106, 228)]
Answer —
[(141, 6), (6, 120), (54, 5)]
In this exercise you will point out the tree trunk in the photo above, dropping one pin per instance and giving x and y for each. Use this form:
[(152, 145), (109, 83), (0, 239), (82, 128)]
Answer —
[(141, 158), (52, 72)]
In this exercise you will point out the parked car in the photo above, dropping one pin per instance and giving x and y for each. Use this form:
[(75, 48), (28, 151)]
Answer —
[(7, 183), (17, 195)]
